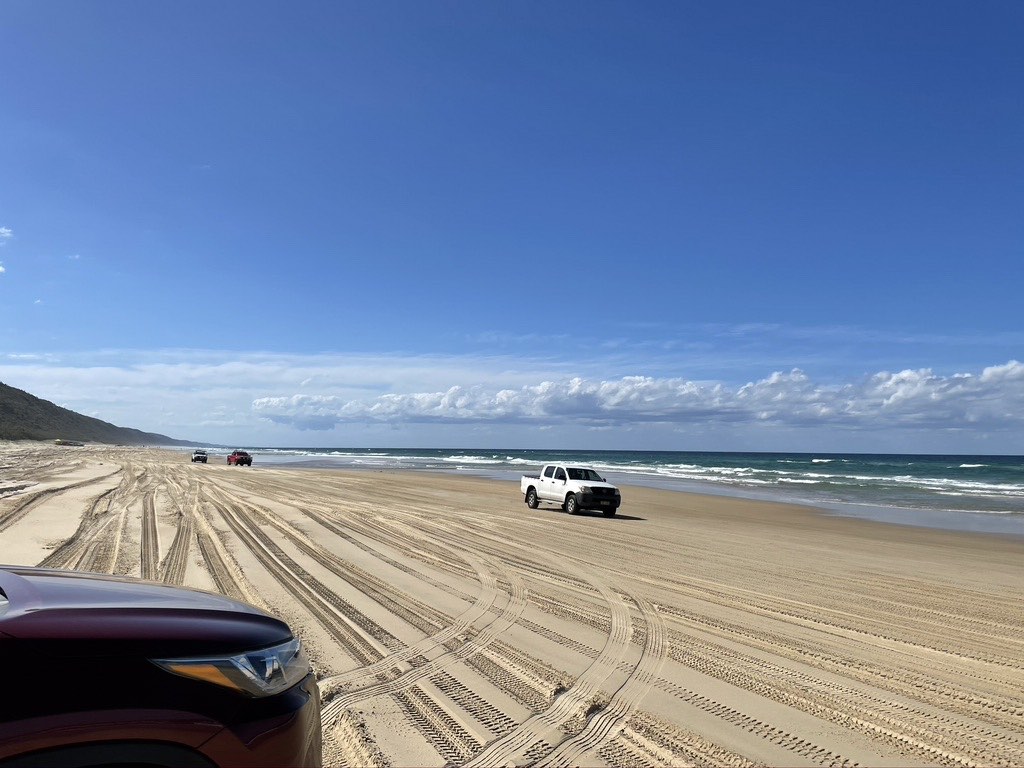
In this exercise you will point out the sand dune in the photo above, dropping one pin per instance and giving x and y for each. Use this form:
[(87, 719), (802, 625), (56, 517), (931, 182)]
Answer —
[(452, 625)]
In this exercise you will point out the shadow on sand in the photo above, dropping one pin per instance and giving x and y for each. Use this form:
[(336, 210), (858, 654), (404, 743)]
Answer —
[(597, 515)]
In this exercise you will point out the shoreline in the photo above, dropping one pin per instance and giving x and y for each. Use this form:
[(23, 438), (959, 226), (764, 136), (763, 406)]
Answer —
[(1008, 525)]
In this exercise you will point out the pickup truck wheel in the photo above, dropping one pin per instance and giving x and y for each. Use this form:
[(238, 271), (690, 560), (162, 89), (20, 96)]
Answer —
[(531, 499), (571, 505)]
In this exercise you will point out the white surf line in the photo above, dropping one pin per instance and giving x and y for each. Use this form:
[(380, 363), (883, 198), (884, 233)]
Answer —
[(539, 727), (607, 724)]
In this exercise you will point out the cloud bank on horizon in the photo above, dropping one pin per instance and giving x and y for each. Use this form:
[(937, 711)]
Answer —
[(410, 401), (990, 400)]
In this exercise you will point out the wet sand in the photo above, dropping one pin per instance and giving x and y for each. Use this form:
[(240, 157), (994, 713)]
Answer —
[(452, 625)]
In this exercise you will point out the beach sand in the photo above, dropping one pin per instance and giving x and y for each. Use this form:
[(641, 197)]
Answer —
[(451, 625)]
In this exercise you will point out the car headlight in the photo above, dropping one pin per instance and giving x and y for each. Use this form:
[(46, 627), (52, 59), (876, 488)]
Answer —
[(584, 489), (255, 673)]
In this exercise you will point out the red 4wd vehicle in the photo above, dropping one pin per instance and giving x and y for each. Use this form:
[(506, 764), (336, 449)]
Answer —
[(240, 459)]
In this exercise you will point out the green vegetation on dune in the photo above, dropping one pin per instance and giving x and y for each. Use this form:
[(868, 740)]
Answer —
[(27, 417)]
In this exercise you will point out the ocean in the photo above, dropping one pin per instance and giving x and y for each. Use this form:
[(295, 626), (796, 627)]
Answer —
[(978, 493)]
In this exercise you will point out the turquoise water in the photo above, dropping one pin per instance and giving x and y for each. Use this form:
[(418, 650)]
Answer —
[(984, 493)]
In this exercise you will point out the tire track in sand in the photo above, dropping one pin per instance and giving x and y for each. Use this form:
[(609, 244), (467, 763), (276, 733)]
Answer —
[(150, 554), (185, 499), (337, 617), (486, 598), (606, 724), (35, 499), (540, 728), (483, 638), (445, 733), (474, 642)]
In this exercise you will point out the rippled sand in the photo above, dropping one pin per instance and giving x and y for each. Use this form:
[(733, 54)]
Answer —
[(452, 625)]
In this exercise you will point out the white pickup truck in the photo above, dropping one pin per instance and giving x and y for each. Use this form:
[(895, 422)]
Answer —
[(573, 488)]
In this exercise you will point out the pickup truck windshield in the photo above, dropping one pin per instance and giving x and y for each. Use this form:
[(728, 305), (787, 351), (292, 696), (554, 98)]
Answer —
[(575, 473)]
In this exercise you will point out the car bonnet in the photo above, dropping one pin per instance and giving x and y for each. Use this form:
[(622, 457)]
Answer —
[(112, 614)]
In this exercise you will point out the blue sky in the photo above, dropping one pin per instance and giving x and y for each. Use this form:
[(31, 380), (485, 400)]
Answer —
[(680, 225)]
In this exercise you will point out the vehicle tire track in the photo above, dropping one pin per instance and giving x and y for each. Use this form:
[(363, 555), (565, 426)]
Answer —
[(501, 667), (844, 706), (536, 753), (223, 568), (1003, 712), (70, 550), (543, 726), (466, 646), (172, 570), (651, 742), (607, 723), (469, 646), (332, 613), (478, 642), (485, 600), (451, 740), (101, 553), (33, 500), (446, 734), (150, 554)]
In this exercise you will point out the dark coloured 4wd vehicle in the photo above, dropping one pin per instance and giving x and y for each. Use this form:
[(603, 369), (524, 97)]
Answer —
[(199, 455), (240, 459), (101, 670)]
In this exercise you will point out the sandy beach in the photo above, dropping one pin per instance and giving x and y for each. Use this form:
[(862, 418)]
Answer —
[(451, 625)]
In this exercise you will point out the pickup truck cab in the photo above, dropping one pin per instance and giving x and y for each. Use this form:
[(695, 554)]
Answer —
[(574, 488)]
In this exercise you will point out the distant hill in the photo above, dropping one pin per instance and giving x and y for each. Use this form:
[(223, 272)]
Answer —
[(27, 417)]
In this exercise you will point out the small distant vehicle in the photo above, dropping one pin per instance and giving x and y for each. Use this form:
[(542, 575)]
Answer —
[(574, 488), (199, 456), (239, 459)]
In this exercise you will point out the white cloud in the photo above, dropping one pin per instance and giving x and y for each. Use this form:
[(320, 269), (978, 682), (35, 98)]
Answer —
[(993, 400), (2, 268), (215, 389), (27, 356), (389, 400), (5, 234)]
